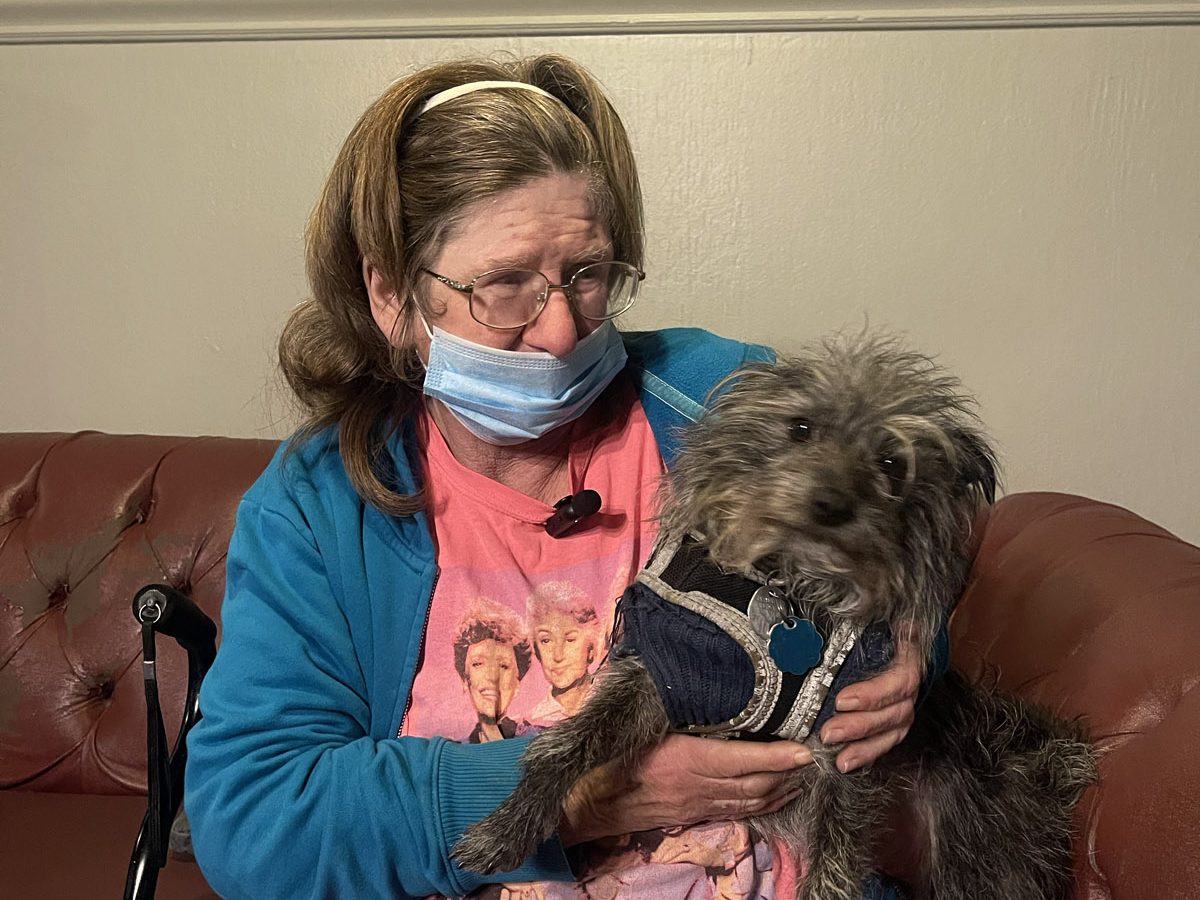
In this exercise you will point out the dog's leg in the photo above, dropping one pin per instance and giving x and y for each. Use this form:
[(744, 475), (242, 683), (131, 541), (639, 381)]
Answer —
[(622, 719), (833, 821), (998, 781), (845, 812)]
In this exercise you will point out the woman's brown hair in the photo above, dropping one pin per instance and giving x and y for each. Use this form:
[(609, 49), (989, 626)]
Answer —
[(400, 184)]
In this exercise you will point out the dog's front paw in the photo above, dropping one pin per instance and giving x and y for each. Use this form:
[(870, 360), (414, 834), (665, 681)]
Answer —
[(490, 846)]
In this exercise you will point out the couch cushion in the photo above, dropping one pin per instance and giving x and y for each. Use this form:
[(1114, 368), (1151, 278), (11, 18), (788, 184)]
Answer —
[(72, 846)]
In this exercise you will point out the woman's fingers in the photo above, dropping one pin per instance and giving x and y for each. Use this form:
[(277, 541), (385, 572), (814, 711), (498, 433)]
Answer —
[(875, 715), (752, 788), (729, 759), (787, 790), (752, 795), (859, 725), (781, 798), (898, 682), (690, 779), (864, 752)]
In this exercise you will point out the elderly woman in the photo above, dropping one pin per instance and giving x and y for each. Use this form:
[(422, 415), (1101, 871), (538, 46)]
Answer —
[(479, 232)]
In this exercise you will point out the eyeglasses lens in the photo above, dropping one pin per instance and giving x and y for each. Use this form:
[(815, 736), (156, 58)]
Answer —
[(509, 298)]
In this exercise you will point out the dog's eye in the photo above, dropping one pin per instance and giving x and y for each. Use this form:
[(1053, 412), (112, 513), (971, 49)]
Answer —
[(895, 468), (801, 430)]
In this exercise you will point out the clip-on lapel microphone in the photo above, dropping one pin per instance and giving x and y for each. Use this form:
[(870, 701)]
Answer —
[(570, 511)]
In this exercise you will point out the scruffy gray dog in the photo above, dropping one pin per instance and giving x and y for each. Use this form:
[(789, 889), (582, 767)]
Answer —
[(822, 506)]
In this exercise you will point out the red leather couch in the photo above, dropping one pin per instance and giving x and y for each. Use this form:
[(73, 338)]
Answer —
[(1080, 605)]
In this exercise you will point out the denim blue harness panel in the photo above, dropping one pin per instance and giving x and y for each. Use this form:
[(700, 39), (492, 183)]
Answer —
[(703, 675), (687, 622)]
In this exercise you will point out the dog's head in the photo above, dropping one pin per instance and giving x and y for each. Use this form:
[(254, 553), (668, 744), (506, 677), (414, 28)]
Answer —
[(856, 465)]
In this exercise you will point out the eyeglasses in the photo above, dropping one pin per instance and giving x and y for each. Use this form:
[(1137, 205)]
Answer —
[(506, 299)]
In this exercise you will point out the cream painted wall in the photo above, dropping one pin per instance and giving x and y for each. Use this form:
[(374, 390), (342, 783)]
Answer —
[(1024, 203)]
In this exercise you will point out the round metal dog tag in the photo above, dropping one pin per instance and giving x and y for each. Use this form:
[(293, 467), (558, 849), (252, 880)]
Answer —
[(795, 645), (767, 609)]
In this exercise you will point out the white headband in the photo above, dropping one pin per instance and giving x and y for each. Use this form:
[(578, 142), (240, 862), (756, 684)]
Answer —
[(472, 86)]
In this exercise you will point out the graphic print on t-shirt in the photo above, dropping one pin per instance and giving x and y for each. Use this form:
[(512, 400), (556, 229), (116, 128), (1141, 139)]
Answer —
[(513, 654), (518, 625)]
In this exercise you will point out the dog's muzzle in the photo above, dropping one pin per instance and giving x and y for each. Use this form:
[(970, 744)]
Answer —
[(730, 656)]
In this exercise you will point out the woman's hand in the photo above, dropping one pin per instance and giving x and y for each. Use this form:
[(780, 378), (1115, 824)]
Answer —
[(687, 779), (873, 716), (682, 781)]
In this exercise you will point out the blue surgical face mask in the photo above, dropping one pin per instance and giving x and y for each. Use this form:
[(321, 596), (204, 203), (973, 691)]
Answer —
[(505, 397)]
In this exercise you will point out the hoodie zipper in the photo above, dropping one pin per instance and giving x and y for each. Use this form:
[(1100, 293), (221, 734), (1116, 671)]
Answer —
[(420, 650)]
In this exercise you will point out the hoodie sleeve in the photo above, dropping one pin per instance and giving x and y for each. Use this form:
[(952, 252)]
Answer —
[(287, 793)]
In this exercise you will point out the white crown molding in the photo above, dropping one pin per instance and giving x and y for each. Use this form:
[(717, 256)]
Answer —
[(120, 21)]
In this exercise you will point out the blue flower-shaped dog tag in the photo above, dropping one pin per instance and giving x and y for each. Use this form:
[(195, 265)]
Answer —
[(795, 645)]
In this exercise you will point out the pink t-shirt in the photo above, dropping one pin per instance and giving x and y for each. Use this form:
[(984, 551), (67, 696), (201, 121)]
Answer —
[(520, 620)]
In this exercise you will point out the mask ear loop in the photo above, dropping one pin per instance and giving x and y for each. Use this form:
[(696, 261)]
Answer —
[(417, 364), (406, 362), (421, 316)]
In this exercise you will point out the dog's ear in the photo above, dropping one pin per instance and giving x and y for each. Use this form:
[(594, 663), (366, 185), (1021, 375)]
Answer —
[(976, 462)]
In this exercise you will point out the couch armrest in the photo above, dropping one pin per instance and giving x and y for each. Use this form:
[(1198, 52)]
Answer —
[(1095, 612)]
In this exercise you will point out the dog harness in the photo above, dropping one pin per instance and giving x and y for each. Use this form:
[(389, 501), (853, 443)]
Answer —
[(729, 654)]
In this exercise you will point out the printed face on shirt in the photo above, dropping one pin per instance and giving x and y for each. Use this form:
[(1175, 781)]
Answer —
[(491, 678), (564, 647)]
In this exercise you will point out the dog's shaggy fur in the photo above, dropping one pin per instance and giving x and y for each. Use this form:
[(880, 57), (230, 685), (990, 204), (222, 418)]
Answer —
[(849, 477)]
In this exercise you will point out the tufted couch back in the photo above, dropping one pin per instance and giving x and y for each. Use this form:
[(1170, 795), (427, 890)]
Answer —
[(86, 520)]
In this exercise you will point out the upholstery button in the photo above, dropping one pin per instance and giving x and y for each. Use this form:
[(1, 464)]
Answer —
[(58, 596), (102, 690), (139, 510)]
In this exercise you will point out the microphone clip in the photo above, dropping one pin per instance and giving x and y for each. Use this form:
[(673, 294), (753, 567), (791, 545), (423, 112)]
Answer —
[(570, 511)]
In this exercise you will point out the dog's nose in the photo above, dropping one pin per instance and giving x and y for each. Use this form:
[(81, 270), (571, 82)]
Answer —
[(832, 507)]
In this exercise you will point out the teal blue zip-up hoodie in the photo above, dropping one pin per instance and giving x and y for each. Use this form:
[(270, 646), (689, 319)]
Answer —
[(297, 784)]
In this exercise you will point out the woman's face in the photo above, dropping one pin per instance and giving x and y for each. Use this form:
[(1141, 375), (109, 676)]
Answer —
[(491, 678), (564, 647), (548, 225)]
